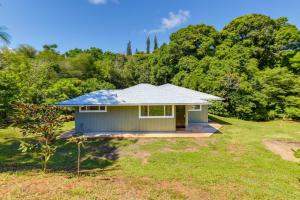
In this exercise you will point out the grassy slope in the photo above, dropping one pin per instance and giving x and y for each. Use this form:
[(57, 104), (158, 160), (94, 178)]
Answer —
[(231, 165)]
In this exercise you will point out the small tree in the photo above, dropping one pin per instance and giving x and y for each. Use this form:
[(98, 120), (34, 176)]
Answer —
[(43, 122), (148, 45), (155, 43), (79, 141), (129, 51)]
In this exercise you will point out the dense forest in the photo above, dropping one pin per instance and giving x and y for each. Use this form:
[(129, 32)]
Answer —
[(253, 62)]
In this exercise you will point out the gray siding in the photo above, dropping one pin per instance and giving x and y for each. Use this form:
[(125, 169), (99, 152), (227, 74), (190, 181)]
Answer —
[(198, 116), (120, 118)]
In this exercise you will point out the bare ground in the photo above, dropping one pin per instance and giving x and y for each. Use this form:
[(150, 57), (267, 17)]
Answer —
[(283, 148), (236, 149), (145, 155), (45, 186)]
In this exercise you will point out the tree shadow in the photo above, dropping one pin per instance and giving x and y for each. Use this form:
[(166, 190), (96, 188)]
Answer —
[(12, 159), (97, 155), (5, 124), (218, 120)]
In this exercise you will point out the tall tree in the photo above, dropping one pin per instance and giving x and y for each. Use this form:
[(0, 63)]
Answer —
[(155, 43), (9, 93), (50, 47), (129, 51), (26, 50), (148, 45)]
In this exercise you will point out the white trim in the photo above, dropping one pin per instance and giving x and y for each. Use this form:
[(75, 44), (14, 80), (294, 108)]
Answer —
[(200, 109), (89, 111), (134, 104), (155, 117), (186, 116)]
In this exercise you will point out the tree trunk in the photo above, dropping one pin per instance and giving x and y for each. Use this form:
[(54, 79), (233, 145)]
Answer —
[(78, 160), (45, 165)]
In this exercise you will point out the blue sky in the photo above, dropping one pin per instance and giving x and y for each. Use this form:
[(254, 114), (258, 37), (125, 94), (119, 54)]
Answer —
[(110, 24)]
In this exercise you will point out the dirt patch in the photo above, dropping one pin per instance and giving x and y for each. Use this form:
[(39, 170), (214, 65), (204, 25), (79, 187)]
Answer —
[(167, 149), (142, 155), (170, 145), (143, 141), (283, 148), (236, 149), (204, 142), (189, 192), (192, 145)]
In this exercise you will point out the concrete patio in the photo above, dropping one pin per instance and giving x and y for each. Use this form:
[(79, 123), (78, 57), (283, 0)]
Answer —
[(197, 130)]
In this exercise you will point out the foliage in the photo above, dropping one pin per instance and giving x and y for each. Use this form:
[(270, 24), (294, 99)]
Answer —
[(253, 62), (42, 122), (9, 92)]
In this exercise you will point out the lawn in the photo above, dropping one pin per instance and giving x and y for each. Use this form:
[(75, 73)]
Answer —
[(233, 164)]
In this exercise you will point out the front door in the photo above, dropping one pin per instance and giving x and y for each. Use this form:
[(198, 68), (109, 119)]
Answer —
[(180, 116)]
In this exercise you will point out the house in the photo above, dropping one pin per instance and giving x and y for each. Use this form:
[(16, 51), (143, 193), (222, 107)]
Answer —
[(141, 108)]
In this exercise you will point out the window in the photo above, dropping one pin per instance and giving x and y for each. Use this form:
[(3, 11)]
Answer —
[(144, 111), (92, 109), (156, 111), (159, 111), (168, 110), (195, 108)]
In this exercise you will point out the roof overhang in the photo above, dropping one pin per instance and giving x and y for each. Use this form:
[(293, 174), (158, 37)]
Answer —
[(143, 104)]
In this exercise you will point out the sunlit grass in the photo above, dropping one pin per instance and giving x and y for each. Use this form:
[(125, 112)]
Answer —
[(231, 165)]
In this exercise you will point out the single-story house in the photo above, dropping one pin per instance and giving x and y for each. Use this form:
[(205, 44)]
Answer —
[(141, 108)]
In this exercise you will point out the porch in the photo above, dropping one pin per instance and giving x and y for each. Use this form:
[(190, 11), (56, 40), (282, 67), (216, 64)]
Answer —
[(194, 130)]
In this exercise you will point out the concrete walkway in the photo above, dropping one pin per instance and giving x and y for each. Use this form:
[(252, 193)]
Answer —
[(193, 131)]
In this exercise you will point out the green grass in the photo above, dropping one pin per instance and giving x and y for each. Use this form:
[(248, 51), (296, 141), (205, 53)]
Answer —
[(233, 164)]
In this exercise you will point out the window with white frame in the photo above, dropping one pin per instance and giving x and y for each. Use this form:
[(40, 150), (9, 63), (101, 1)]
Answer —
[(92, 109), (156, 111), (195, 108)]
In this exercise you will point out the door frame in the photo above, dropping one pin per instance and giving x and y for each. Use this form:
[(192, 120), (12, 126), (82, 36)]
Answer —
[(185, 115)]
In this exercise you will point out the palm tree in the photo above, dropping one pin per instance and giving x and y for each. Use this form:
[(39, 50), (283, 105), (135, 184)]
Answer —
[(4, 36)]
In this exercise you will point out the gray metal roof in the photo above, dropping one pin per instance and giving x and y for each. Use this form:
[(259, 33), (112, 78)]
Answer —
[(142, 94), (189, 92)]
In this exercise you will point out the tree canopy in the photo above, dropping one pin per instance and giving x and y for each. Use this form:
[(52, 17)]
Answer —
[(253, 62)]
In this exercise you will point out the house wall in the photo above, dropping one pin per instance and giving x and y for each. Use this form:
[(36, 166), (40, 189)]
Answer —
[(121, 118), (198, 116)]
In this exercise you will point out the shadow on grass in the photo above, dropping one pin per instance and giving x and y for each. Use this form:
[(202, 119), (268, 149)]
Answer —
[(5, 123), (218, 120), (218, 132), (97, 154)]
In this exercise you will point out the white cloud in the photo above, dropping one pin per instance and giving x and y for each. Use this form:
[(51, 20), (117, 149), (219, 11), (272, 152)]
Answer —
[(98, 2), (172, 21), (102, 2)]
